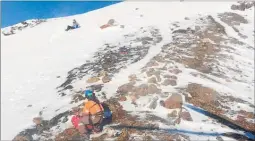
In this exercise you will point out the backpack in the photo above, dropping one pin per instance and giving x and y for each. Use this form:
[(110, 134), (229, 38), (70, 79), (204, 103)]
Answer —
[(107, 111)]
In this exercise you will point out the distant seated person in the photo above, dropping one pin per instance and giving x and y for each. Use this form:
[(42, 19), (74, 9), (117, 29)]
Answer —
[(74, 26)]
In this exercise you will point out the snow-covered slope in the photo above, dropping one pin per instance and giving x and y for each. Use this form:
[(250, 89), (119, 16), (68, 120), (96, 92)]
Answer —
[(43, 67)]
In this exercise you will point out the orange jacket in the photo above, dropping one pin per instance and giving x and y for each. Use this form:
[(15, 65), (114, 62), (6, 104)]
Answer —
[(92, 108)]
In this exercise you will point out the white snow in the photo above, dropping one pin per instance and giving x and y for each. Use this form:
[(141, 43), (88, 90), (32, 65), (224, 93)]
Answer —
[(33, 58)]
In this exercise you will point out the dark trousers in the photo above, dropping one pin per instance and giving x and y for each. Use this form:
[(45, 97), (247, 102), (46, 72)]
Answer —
[(69, 27)]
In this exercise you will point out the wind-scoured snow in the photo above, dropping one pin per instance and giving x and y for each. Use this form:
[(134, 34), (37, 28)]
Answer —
[(35, 61)]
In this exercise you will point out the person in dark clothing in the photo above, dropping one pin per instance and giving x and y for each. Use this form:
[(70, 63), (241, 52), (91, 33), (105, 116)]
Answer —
[(74, 26)]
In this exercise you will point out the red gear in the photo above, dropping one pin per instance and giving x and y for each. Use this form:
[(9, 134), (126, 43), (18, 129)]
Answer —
[(75, 121)]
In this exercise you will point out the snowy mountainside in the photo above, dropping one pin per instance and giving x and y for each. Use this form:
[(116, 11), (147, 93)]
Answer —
[(21, 26), (188, 73)]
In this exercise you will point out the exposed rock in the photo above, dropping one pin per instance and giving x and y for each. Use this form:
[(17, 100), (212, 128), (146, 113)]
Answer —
[(25, 24), (158, 76), (172, 114), (170, 77), (21, 138), (164, 68), (186, 18), (162, 103), (152, 63), (110, 132), (147, 38), (173, 77), (102, 137), (152, 80), (247, 114), (203, 94), (153, 103), (69, 87), (150, 72), (159, 58), (147, 138), (106, 79), (169, 82), (65, 119), (29, 105), (96, 88), (93, 80), (240, 118), (232, 19), (219, 138), (123, 89), (185, 115), (178, 137), (102, 73), (177, 121), (133, 97), (132, 77), (68, 134), (174, 101), (37, 120), (153, 89), (63, 94), (142, 90), (124, 136), (197, 28), (76, 98), (183, 31), (175, 71), (122, 98), (243, 6)]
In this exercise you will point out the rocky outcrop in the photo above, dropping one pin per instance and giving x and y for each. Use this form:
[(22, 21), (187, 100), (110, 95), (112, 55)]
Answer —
[(132, 77), (106, 79), (21, 26), (124, 136), (242, 6), (175, 71), (174, 101), (185, 115), (122, 98), (93, 80), (76, 98), (153, 89), (200, 93), (68, 134), (173, 77), (145, 89), (152, 72), (173, 114), (124, 89), (169, 82), (152, 63), (152, 80)]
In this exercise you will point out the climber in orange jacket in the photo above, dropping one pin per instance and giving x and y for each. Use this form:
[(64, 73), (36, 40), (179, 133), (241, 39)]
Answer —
[(91, 116)]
